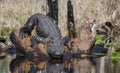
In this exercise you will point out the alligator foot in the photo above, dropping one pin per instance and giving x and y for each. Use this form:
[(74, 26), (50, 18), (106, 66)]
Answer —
[(67, 56), (35, 40), (66, 41), (22, 34)]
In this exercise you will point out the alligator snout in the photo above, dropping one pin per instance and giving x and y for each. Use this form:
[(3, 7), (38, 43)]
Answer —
[(56, 51), (56, 54)]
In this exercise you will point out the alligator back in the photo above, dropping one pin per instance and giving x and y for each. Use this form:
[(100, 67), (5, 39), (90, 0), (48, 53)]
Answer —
[(46, 26)]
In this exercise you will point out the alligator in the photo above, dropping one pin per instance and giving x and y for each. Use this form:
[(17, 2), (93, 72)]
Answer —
[(47, 32)]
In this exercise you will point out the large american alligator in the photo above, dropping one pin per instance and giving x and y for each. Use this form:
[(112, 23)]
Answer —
[(48, 33)]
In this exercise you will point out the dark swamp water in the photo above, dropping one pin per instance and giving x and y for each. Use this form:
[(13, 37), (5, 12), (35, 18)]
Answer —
[(10, 64)]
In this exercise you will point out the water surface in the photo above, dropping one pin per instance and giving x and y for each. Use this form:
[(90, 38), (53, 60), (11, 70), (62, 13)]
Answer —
[(11, 64)]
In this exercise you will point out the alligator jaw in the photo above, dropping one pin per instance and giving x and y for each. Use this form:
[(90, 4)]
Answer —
[(55, 56)]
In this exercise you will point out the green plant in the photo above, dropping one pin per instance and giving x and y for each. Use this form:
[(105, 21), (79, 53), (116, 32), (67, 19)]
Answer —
[(114, 55), (5, 32), (98, 39)]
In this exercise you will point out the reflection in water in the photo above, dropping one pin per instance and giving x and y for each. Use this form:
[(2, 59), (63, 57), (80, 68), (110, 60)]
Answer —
[(82, 66), (4, 64), (24, 65)]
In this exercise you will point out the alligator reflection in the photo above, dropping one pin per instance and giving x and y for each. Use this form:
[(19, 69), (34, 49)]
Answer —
[(24, 65)]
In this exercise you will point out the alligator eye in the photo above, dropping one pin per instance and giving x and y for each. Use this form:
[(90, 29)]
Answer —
[(51, 38)]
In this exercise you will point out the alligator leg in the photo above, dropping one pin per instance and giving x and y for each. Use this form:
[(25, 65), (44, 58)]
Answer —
[(24, 32), (29, 26), (37, 39), (66, 41)]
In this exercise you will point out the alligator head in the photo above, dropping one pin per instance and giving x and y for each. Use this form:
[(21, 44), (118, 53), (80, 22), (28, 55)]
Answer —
[(55, 47)]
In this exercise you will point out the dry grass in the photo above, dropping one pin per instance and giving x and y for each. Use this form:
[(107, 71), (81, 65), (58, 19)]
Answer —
[(15, 12)]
